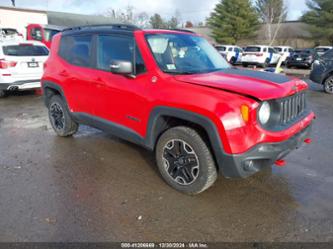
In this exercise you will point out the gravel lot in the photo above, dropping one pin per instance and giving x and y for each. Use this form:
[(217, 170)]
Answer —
[(95, 187)]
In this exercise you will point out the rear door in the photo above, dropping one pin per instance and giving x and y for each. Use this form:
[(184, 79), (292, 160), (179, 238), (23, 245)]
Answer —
[(273, 55), (28, 58), (77, 73)]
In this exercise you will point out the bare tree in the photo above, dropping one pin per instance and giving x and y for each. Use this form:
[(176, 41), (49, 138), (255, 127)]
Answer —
[(129, 16), (272, 13)]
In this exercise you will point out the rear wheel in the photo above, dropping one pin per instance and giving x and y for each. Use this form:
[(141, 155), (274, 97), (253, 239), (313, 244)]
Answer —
[(328, 85), (2, 93), (265, 64), (60, 119), (185, 161), (233, 60), (245, 65)]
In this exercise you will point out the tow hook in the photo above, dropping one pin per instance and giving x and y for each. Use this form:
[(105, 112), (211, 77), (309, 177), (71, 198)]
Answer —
[(308, 140)]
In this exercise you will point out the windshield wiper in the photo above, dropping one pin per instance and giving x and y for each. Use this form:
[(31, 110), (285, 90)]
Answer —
[(179, 72)]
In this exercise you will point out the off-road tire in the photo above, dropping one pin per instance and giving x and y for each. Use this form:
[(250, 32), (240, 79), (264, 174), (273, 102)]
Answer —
[(265, 64), (68, 127), (206, 174)]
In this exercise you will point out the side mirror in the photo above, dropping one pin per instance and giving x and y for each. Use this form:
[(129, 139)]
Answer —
[(121, 67)]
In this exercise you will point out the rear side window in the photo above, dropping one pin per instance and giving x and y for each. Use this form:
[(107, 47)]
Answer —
[(252, 49), (221, 49), (230, 49), (111, 48), (77, 50), (25, 50)]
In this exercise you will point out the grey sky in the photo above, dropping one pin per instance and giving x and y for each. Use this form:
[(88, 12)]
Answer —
[(195, 10)]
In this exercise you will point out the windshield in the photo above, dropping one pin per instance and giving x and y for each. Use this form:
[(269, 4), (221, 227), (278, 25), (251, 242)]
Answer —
[(185, 54), (278, 49), (49, 33), (25, 50)]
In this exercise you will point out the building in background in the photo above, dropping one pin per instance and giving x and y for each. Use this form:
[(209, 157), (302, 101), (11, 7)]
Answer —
[(291, 33), (19, 18)]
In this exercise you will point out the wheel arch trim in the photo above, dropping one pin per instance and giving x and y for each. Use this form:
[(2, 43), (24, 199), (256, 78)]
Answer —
[(153, 129)]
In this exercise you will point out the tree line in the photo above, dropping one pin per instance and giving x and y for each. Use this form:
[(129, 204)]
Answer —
[(234, 20)]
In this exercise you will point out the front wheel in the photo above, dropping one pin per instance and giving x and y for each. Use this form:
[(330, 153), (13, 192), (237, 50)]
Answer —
[(185, 161), (60, 119), (328, 85)]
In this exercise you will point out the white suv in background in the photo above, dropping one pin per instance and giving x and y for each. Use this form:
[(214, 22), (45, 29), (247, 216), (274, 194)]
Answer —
[(21, 65), (284, 51), (231, 53), (260, 56)]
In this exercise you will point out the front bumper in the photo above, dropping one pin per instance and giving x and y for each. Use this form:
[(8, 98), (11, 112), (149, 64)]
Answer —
[(262, 155), (21, 85)]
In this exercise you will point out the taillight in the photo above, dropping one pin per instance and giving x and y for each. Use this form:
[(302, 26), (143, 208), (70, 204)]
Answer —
[(6, 64)]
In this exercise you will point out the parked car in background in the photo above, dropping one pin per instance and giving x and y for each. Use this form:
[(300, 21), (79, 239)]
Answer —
[(322, 71), (284, 51), (302, 58), (10, 34), (42, 33), (321, 50), (172, 93), (233, 54), (21, 65), (260, 56)]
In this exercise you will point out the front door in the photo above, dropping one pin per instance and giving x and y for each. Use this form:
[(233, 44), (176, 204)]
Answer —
[(122, 99)]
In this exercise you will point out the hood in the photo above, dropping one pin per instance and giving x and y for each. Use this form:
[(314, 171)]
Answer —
[(259, 85)]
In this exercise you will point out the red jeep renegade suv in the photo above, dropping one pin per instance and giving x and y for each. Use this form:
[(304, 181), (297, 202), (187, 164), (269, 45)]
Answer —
[(173, 93)]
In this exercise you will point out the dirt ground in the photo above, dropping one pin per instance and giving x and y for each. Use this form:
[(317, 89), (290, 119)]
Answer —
[(95, 187)]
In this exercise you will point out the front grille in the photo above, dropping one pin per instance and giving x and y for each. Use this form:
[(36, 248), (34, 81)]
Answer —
[(292, 107)]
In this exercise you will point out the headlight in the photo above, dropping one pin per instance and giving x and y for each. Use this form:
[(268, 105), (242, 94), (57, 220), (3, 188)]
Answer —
[(264, 113)]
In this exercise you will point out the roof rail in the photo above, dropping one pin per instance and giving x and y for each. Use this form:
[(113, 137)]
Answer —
[(119, 26)]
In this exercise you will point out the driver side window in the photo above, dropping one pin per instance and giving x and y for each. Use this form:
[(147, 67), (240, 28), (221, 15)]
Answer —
[(111, 48)]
